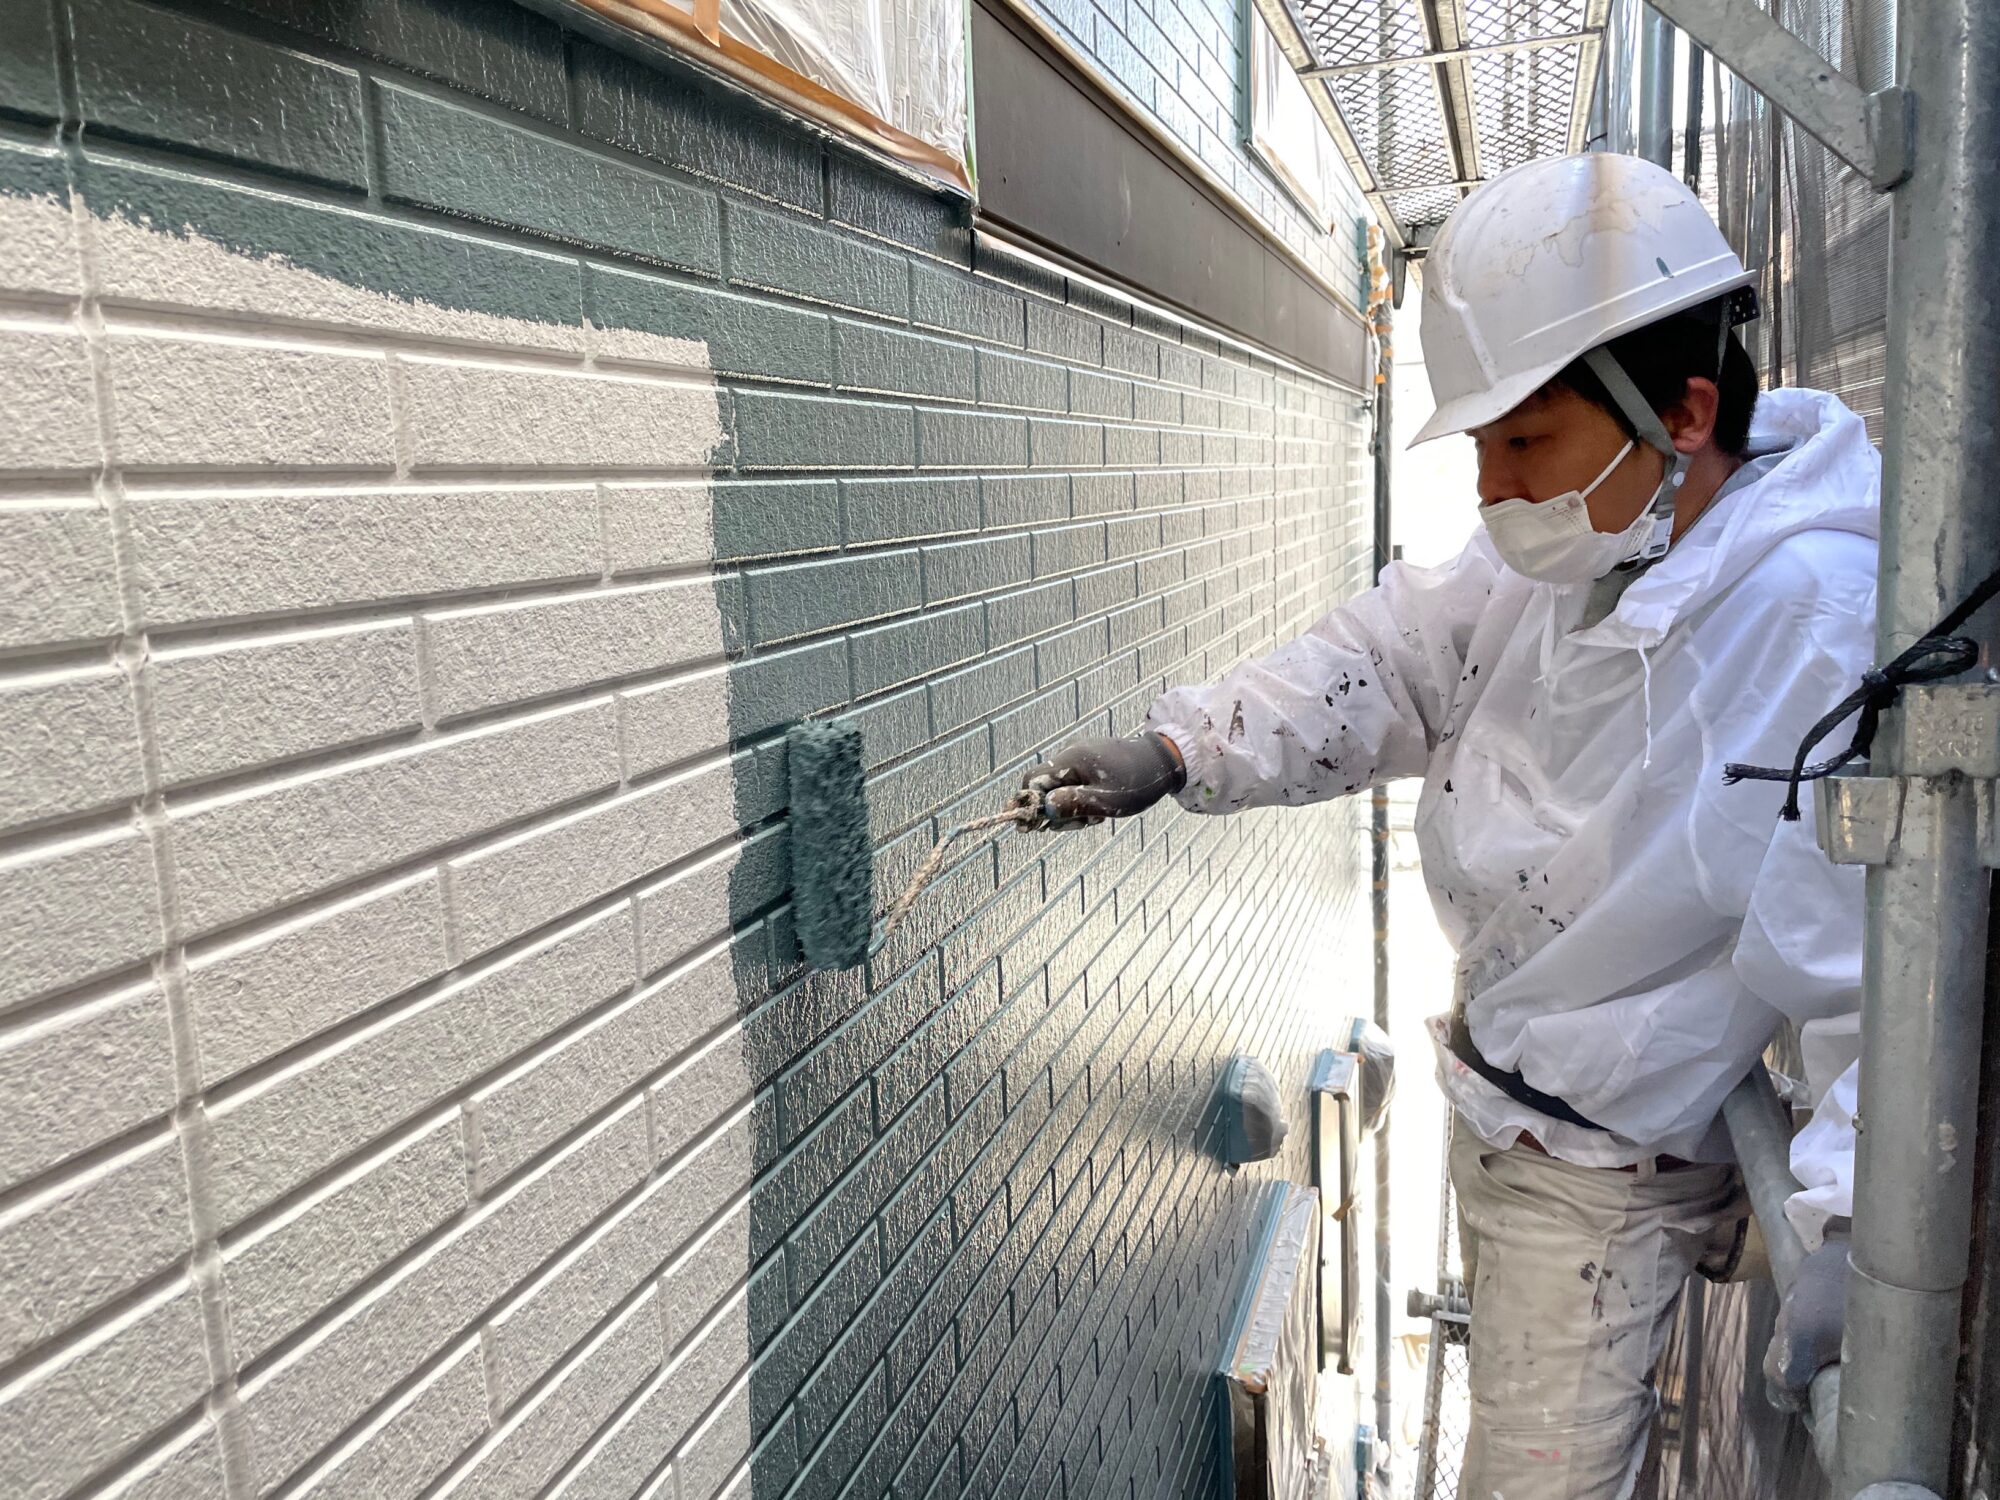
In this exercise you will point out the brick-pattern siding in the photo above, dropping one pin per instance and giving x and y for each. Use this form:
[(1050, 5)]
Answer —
[(1182, 64), (438, 458)]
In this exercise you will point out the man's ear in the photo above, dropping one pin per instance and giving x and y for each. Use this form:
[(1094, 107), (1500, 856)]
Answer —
[(1690, 421)]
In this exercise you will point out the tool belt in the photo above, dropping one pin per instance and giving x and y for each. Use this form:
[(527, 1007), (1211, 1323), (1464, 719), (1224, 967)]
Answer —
[(1513, 1085)]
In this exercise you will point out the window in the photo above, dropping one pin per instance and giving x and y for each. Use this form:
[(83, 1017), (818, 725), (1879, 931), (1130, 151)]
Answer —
[(1286, 131), (890, 73)]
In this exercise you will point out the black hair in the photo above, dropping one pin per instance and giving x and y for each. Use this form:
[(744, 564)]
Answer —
[(1662, 357)]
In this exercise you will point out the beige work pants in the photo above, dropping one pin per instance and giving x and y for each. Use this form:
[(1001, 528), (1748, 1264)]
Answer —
[(1575, 1273)]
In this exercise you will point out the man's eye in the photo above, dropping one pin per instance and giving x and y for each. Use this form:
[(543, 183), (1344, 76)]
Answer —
[(1519, 444)]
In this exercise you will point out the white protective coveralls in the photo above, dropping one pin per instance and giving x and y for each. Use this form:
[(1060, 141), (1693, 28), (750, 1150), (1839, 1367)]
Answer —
[(1823, 1152), (1630, 931)]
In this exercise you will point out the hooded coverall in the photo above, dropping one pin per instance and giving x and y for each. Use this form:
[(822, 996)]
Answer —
[(1630, 931)]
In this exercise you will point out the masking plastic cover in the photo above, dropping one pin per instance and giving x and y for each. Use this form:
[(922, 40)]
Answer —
[(1252, 1112), (1378, 1071), (901, 60), (1270, 1381)]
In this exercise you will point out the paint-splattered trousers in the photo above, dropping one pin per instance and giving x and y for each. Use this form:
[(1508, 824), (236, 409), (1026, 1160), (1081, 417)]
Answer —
[(1575, 1273)]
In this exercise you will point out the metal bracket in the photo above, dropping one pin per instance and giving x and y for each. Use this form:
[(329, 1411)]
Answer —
[(1449, 1304), (1859, 818), (1936, 729), (1940, 727), (1870, 132)]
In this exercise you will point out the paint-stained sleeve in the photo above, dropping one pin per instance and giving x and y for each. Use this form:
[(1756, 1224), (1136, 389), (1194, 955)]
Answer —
[(1359, 698)]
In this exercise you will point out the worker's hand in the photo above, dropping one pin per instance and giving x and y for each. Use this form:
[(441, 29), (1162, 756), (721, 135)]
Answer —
[(1807, 1337), (1097, 779)]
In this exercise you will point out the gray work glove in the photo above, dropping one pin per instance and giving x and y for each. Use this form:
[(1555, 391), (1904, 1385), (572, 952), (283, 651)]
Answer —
[(1097, 779), (1807, 1337)]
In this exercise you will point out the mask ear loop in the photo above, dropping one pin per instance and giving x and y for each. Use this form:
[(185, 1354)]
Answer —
[(1605, 473)]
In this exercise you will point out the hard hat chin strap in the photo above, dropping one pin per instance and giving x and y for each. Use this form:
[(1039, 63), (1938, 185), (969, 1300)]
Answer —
[(1608, 590), (1652, 432)]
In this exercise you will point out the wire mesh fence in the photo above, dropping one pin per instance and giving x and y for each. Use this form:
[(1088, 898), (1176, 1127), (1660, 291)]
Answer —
[(1345, 32), (1718, 1438), (1521, 105), (1447, 1366), (1447, 1407), (1397, 119)]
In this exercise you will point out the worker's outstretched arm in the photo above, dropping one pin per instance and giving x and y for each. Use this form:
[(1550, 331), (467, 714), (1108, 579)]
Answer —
[(1357, 699)]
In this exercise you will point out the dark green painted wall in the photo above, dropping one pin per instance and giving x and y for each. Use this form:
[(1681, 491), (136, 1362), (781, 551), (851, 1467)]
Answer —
[(444, 457)]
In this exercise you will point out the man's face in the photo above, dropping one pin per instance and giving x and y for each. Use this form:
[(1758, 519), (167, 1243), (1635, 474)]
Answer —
[(1555, 442)]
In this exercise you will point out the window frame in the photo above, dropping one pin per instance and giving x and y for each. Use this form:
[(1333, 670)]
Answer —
[(1314, 198)]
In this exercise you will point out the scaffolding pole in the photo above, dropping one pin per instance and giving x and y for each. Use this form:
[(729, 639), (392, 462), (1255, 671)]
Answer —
[(1760, 1131), (1380, 302), (1924, 975), (1691, 132), (1656, 87)]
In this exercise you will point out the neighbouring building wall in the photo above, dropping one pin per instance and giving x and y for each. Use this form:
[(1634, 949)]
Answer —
[(438, 458)]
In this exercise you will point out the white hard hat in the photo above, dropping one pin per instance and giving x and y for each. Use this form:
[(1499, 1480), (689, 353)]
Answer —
[(1550, 260)]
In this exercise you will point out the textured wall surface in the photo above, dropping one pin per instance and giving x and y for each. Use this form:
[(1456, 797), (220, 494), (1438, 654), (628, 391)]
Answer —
[(437, 459)]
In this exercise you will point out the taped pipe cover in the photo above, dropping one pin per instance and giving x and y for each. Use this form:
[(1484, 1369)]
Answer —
[(1378, 1071), (1252, 1116)]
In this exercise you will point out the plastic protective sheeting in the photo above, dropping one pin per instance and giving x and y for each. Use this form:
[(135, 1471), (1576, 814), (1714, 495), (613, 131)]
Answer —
[(1285, 129), (903, 61), (1336, 1156), (1252, 1113), (1270, 1383), (890, 74), (1377, 1055)]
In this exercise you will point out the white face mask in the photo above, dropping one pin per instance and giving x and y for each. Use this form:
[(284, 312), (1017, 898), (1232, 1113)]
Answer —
[(1553, 539)]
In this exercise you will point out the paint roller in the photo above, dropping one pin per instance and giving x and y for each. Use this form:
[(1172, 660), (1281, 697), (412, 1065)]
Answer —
[(833, 869)]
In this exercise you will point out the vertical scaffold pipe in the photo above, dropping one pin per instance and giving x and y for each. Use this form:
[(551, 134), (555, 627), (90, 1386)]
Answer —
[(1380, 295), (1927, 908), (1656, 87)]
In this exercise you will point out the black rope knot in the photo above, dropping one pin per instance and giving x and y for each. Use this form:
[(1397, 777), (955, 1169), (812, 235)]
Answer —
[(1935, 655)]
